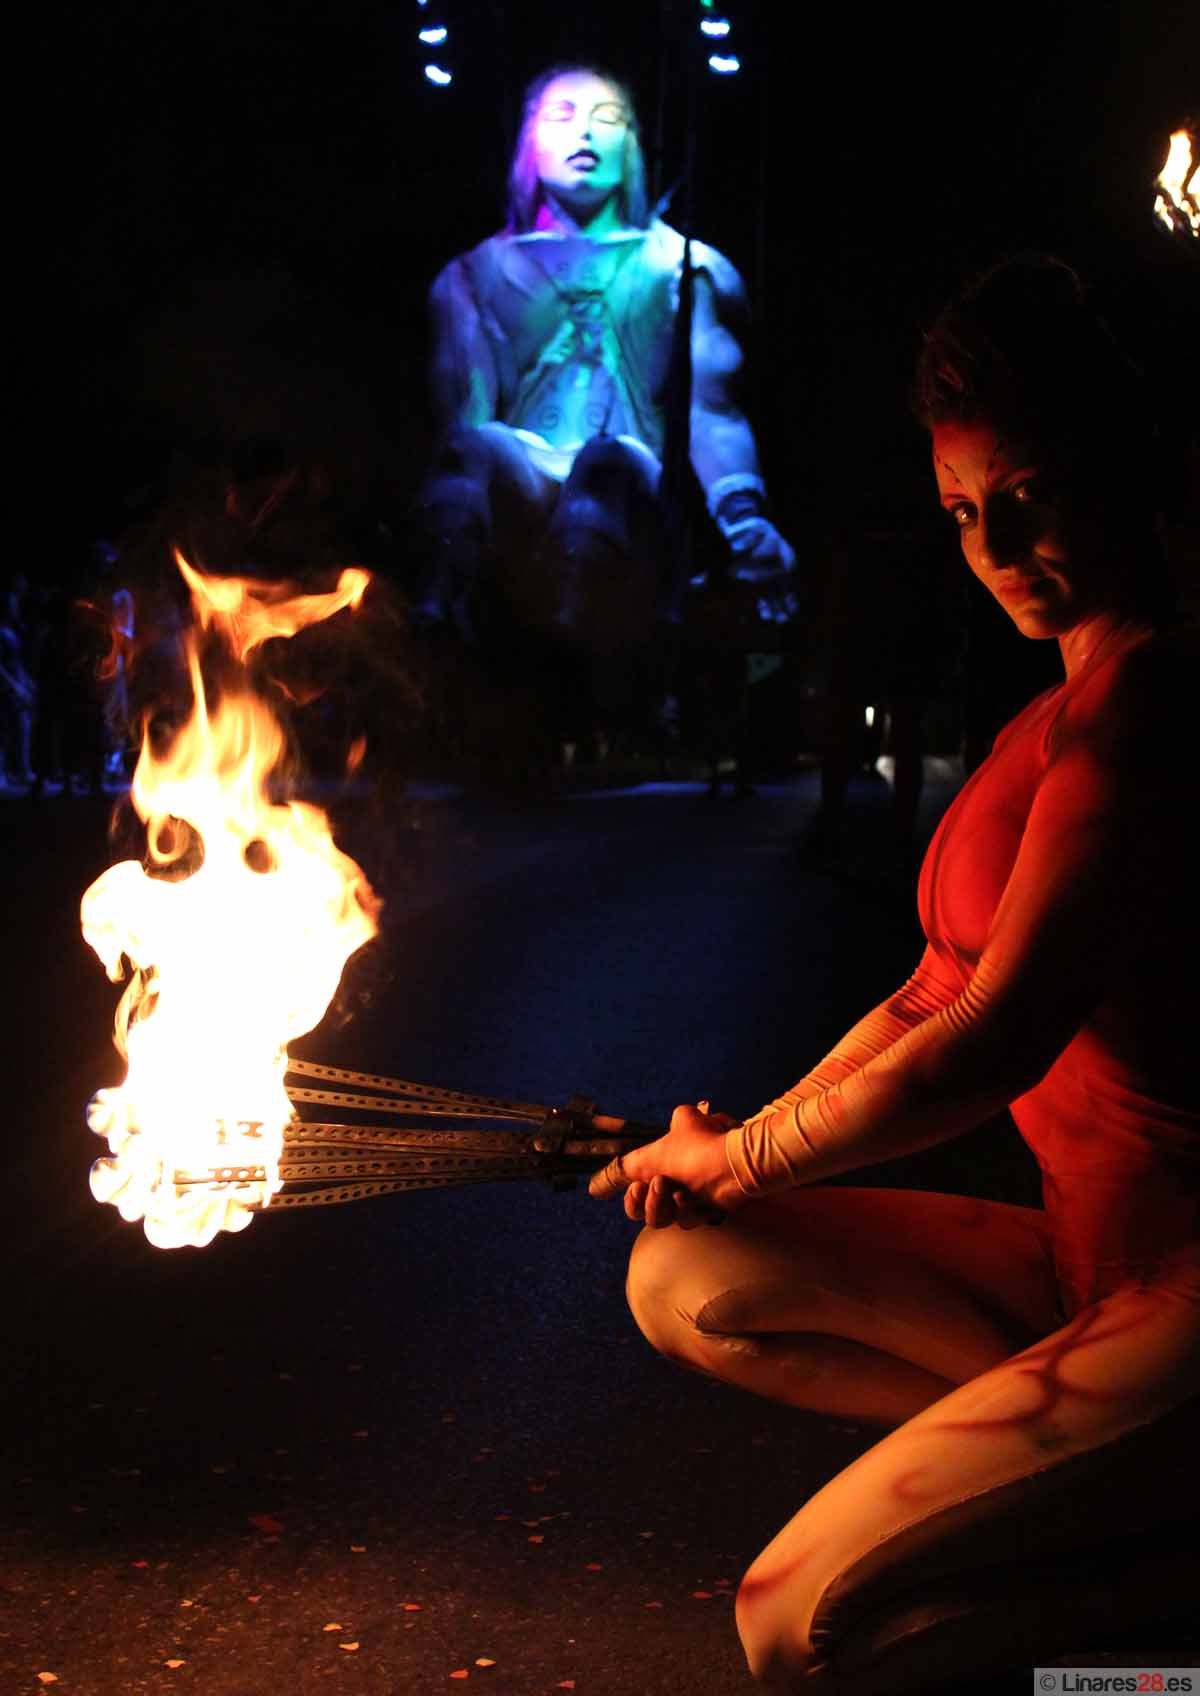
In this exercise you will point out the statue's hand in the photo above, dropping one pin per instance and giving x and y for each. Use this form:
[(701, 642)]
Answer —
[(760, 553)]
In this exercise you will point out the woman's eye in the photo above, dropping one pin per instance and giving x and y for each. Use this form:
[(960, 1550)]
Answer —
[(1028, 490), (961, 515)]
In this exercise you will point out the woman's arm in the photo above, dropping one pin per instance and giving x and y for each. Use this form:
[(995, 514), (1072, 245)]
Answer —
[(918, 1071), (930, 988), (693, 1152), (1056, 942)]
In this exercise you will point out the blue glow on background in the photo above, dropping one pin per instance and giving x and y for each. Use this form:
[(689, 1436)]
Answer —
[(435, 36), (715, 26), (437, 75), (724, 64)]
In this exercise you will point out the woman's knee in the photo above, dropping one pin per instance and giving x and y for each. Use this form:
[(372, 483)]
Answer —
[(777, 1653), (666, 1287), (693, 1291)]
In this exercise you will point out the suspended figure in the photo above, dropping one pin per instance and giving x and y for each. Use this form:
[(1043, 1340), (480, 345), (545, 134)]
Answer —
[(553, 377)]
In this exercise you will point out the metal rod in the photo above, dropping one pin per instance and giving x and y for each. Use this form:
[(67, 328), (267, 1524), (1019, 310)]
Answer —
[(402, 1087), (435, 1109), (329, 1195), (303, 1133)]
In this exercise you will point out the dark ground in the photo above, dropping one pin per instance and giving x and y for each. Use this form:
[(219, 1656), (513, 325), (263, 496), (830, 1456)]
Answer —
[(365, 1449)]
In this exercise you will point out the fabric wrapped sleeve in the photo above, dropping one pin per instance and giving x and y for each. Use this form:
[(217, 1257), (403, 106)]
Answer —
[(936, 1058)]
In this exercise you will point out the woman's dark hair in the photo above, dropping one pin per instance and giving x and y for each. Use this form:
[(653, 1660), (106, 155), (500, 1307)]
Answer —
[(524, 190), (1024, 349), (1024, 339)]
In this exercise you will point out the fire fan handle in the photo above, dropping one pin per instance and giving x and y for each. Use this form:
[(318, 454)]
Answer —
[(628, 1134), (567, 1145)]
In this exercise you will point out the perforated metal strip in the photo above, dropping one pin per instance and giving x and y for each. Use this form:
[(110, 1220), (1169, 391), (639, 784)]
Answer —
[(331, 1193), (304, 1134), (434, 1109), (418, 1092), (450, 1169), (438, 1166)]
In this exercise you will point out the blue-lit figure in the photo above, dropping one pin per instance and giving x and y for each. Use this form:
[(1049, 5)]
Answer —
[(552, 366)]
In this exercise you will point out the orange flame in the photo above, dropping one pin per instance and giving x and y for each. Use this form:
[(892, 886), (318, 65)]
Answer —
[(248, 613), (1178, 202), (228, 963)]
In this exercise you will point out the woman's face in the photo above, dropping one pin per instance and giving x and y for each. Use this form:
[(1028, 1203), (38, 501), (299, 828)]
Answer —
[(1027, 539)]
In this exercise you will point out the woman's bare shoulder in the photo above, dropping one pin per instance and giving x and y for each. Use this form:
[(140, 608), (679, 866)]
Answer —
[(1141, 697), (1157, 667)]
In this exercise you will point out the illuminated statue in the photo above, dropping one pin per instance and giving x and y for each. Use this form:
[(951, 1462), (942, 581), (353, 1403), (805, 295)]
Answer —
[(551, 373)]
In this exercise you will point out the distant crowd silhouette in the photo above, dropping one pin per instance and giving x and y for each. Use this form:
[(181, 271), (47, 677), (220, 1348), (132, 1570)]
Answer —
[(62, 681)]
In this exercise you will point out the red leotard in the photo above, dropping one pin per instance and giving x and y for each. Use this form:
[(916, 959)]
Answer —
[(1115, 1122)]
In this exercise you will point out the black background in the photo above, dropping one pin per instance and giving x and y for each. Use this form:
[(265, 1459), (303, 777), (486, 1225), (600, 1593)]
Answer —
[(236, 211)]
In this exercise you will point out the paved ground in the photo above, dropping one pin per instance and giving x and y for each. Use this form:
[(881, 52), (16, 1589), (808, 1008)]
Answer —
[(405, 1445)]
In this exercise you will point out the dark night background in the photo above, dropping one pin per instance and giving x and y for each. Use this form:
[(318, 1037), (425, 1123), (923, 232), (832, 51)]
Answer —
[(223, 221), (236, 212)]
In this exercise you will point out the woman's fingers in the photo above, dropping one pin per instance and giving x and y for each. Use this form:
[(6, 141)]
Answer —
[(691, 1212), (687, 1213), (616, 1177), (609, 1181), (660, 1204), (689, 1159), (652, 1204)]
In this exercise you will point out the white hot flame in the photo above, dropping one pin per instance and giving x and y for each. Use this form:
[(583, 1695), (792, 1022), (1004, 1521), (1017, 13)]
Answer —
[(1178, 200), (230, 961)]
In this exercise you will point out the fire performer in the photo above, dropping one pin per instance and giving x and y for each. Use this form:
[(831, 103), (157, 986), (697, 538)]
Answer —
[(1036, 1370), (552, 373)]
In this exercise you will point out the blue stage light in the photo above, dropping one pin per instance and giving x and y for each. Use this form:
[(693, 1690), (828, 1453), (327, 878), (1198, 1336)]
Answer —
[(438, 76), (725, 64), (715, 26), (434, 36)]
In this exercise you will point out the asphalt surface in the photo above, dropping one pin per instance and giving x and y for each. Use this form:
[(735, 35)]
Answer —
[(416, 1443)]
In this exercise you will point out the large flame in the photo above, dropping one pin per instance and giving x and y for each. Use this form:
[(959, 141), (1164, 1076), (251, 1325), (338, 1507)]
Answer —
[(230, 960), (1178, 200)]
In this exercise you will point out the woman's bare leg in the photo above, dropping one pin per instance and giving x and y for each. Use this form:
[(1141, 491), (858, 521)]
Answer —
[(868, 1304), (1077, 1441), (1018, 1437)]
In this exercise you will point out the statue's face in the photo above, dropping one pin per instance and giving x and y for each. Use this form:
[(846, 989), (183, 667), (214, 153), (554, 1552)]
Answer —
[(579, 138)]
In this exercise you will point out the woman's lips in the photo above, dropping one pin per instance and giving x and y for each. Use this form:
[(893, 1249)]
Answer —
[(1021, 588)]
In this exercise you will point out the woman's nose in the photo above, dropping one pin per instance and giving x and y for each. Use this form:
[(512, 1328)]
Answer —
[(1003, 537)]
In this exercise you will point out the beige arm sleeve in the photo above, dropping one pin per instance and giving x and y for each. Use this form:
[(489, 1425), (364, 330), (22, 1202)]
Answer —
[(773, 1149), (929, 1065)]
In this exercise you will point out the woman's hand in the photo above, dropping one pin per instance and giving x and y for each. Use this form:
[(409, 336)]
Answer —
[(682, 1179)]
